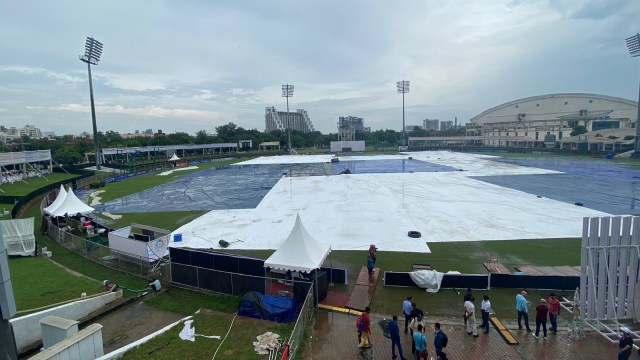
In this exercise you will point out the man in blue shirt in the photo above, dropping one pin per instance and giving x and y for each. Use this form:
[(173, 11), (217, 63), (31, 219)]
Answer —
[(437, 341), (406, 310), (522, 306), (394, 333), (421, 344)]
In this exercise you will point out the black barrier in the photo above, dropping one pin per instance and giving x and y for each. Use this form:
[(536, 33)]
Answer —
[(542, 282), (336, 276), (481, 281)]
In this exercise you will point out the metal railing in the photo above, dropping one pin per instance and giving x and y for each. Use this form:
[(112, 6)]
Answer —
[(105, 256), (297, 339)]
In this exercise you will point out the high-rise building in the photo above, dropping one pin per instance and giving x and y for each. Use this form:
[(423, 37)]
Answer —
[(31, 131), (282, 120), (446, 125), (431, 124), (348, 126)]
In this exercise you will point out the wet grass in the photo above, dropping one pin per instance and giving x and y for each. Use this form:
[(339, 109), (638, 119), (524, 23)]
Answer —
[(238, 344), (164, 220), (39, 282)]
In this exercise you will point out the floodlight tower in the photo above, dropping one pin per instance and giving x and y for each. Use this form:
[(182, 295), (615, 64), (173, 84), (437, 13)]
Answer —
[(287, 92), (633, 44), (92, 52), (403, 88)]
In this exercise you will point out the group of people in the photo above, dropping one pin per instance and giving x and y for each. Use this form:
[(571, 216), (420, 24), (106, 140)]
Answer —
[(415, 326), (547, 308)]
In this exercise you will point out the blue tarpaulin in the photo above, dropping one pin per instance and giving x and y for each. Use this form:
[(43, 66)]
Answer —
[(267, 307)]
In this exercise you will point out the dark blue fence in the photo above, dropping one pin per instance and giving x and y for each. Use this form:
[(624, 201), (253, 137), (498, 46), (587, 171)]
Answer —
[(480, 281)]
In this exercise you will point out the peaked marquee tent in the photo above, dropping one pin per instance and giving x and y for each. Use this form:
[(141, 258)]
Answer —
[(300, 252), (70, 205), (56, 203), (174, 157)]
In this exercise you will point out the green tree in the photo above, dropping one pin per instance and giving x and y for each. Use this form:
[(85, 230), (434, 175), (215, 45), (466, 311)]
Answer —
[(67, 156), (578, 130), (202, 137)]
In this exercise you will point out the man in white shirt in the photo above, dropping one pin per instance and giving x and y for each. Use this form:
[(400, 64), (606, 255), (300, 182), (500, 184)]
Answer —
[(485, 307), (470, 314)]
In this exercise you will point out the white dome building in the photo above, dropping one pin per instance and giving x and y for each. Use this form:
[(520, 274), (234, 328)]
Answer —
[(549, 119)]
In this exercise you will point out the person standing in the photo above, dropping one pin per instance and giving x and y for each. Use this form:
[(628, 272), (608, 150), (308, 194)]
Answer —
[(522, 306), (406, 310), (364, 328), (370, 267), (625, 344), (466, 298), (541, 318), (554, 311), (373, 252), (394, 334), (439, 342), (485, 307), (416, 311), (470, 314), (416, 323), (420, 346)]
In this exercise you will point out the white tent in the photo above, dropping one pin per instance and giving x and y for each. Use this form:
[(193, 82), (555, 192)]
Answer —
[(70, 205), (174, 157), (300, 252), (62, 194), (18, 236)]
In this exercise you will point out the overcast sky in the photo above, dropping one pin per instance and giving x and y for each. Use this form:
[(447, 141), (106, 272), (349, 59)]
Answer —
[(194, 65)]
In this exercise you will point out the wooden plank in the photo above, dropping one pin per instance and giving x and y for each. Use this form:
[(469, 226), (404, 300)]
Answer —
[(603, 271), (584, 264), (503, 331), (593, 268), (623, 270), (363, 277), (614, 280), (360, 297), (633, 263), (501, 269), (363, 291)]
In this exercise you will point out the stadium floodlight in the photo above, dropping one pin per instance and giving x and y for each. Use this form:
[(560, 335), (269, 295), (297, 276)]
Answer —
[(633, 44), (403, 88), (92, 52), (287, 92)]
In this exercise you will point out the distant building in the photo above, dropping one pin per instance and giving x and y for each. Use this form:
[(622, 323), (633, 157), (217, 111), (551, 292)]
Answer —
[(31, 131), (431, 124), (148, 132), (412, 127), (446, 125), (535, 120), (158, 134), (348, 126), (282, 120), (49, 134)]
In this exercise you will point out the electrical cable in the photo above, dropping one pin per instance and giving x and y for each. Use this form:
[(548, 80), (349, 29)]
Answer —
[(225, 337)]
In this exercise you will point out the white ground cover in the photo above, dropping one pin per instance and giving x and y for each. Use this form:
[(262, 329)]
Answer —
[(349, 212)]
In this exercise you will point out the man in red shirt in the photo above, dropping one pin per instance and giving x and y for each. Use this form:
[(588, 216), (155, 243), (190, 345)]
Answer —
[(541, 318), (554, 311), (364, 328)]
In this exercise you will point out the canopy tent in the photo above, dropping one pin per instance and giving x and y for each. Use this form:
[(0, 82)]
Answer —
[(174, 157), (70, 205), (62, 194), (18, 236), (300, 252)]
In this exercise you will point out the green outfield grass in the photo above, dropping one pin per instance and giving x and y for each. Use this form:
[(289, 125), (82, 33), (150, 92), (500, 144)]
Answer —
[(38, 282), (163, 220)]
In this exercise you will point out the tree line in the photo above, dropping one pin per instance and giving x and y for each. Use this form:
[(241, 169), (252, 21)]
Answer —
[(69, 150)]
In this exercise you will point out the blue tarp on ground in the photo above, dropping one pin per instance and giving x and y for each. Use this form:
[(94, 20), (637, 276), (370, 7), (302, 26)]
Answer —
[(601, 185), (267, 307)]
